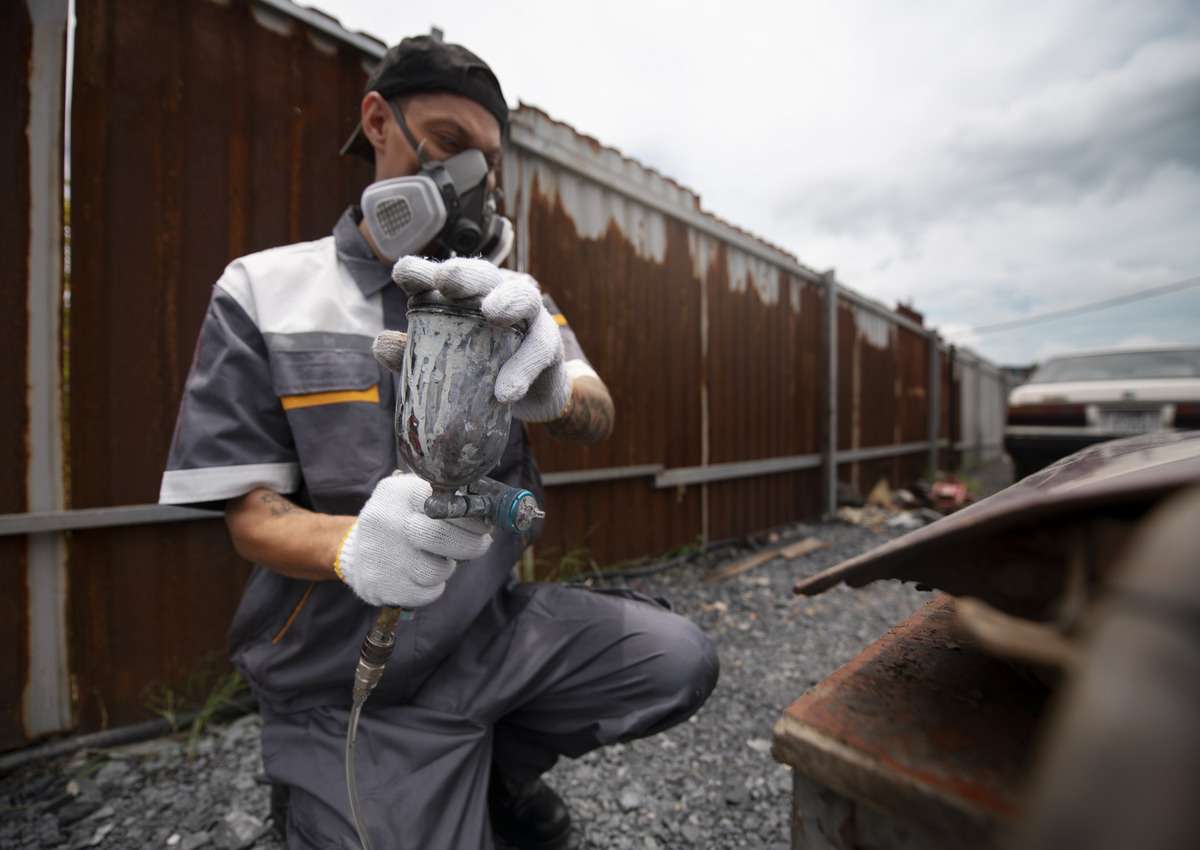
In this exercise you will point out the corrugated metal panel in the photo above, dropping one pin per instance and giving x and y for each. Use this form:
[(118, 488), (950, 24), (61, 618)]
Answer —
[(614, 292), (993, 409), (969, 398), (16, 45), (950, 411), (764, 335), (620, 229), (981, 407), (665, 311), (882, 374), (203, 131)]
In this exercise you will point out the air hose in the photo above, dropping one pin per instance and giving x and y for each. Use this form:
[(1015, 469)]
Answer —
[(372, 659), (507, 508)]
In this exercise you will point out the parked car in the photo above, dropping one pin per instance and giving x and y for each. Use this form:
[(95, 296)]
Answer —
[(1075, 400)]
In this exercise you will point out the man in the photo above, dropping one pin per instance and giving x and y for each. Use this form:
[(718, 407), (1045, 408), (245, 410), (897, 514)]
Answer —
[(286, 421)]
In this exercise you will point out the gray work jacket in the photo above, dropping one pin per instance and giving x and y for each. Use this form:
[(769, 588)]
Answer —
[(284, 393)]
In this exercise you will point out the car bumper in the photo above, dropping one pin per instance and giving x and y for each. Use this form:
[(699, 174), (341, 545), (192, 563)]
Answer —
[(1039, 445)]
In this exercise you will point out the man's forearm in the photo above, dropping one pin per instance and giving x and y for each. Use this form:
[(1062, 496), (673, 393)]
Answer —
[(271, 530), (589, 415)]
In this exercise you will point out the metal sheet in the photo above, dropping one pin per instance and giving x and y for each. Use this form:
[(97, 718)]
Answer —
[(620, 274), (830, 396), (149, 609), (202, 133), (16, 46), (932, 732), (957, 552)]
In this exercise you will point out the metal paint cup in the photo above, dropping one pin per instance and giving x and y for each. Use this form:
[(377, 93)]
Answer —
[(450, 429)]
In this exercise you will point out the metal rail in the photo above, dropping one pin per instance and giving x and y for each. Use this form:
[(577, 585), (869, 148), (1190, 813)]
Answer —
[(328, 26), (611, 473), (49, 522), (684, 475)]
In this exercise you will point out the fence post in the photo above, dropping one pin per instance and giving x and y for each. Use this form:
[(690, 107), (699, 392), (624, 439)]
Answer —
[(829, 467), (47, 700), (935, 402)]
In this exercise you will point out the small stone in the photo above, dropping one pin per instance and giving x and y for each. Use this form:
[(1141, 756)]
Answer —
[(759, 745), (195, 840), (77, 811), (204, 747), (100, 834), (690, 832), (57, 803), (173, 840), (111, 772), (102, 813), (239, 829), (199, 818), (736, 793), (630, 799)]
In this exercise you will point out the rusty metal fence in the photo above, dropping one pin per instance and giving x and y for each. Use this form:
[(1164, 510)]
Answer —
[(983, 399), (746, 383)]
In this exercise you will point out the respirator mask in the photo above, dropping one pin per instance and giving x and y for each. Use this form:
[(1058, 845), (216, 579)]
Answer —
[(444, 210)]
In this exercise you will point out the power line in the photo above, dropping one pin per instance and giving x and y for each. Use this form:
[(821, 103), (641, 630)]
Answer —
[(1128, 298)]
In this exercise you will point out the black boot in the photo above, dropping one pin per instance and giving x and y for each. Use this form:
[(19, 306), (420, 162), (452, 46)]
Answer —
[(528, 817), (280, 796)]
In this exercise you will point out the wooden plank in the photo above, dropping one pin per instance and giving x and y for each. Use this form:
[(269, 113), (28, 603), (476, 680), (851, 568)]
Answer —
[(787, 551)]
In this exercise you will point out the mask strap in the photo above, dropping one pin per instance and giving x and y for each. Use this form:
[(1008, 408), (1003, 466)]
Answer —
[(412, 141)]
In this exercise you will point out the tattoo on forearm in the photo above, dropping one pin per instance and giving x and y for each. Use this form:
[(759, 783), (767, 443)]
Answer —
[(277, 504), (589, 417)]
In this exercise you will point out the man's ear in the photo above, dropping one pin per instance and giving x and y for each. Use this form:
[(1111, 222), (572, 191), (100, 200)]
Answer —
[(375, 116), (388, 349)]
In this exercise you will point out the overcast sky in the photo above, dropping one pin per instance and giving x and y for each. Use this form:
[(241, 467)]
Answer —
[(984, 160)]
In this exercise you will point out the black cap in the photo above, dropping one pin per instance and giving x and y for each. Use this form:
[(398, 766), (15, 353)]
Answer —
[(424, 64)]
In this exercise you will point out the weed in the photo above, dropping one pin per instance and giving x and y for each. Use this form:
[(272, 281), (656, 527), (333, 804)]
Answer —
[(693, 548), (577, 564), (567, 567), (164, 701), (204, 693), (222, 696)]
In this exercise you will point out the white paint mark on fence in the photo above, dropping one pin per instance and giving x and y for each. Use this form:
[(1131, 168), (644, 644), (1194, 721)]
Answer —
[(746, 271), (873, 328)]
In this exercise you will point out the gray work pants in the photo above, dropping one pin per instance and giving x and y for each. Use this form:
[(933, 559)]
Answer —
[(547, 670)]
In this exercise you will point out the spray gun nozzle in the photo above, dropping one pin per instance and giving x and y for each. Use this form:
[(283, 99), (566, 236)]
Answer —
[(512, 509)]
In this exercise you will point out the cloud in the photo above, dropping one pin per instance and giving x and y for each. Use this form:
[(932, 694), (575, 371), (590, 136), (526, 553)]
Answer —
[(1107, 135)]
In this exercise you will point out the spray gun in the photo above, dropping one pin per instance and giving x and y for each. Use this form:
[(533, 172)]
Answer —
[(450, 430)]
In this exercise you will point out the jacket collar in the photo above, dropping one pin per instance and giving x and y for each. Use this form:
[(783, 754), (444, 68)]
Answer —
[(369, 272)]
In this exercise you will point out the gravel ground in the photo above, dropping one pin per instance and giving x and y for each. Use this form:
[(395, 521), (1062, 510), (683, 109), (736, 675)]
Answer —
[(709, 783)]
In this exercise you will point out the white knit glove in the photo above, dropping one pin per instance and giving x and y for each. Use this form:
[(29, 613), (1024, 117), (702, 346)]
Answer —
[(395, 555), (533, 380)]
